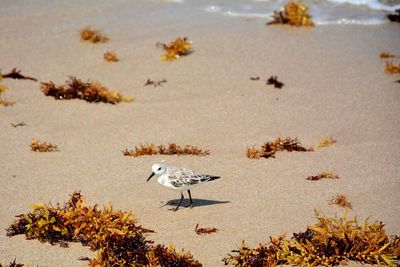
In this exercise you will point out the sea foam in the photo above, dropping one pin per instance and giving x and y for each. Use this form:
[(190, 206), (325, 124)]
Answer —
[(323, 12)]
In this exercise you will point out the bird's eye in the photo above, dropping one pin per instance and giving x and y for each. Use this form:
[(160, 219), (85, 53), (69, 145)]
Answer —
[(159, 169)]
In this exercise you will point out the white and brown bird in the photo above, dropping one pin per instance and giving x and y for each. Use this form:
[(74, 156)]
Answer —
[(179, 179)]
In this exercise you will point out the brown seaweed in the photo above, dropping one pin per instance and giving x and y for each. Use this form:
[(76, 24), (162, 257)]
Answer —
[(3, 101), (340, 200), (155, 83), (329, 242), (115, 235), (394, 17), (15, 125), (273, 80), (13, 264), (204, 231), (88, 91), (37, 146), (92, 35), (386, 55), (253, 153), (322, 175), (110, 56), (294, 13), (269, 149), (326, 142), (161, 255), (179, 47), (392, 67), (16, 74), (171, 149)]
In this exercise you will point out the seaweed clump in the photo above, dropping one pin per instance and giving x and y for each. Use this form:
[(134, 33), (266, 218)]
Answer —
[(110, 56), (340, 200), (171, 149), (37, 146), (115, 235), (155, 83), (392, 67), (179, 47), (323, 175), (205, 230), (13, 264), (386, 55), (4, 101), (329, 242), (294, 13), (326, 142), (88, 91), (161, 255), (273, 80), (92, 36), (269, 149)]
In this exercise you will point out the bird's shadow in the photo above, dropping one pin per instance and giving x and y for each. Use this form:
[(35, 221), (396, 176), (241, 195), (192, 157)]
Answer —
[(197, 202)]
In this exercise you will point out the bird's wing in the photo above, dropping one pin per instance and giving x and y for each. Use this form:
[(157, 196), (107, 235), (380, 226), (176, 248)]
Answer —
[(185, 177)]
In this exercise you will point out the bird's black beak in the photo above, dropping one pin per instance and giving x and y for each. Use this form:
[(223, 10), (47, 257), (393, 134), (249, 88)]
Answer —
[(151, 175)]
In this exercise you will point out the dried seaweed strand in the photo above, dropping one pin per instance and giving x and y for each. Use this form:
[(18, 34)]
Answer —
[(6, 103), (171, 149), (326, 142), (204, 231), (329, 242), (273, 80), (110, 56), (3, 101), (115, 235), (37, 146), (92, 36), (155, 83), (13, 264), (386, 55), (179, 47), (16, 74), (88, 91), (293, 13), (18, 124), (340, 200), (269, 149), (322, 175), (392, 67)]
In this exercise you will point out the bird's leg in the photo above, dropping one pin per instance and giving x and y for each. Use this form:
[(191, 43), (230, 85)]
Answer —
[(180, 202), (190, 200)]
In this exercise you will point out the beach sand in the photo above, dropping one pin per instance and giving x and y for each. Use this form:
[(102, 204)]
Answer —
[(335, 86)]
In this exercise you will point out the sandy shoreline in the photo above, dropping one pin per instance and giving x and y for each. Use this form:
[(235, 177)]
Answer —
[(335, 86)]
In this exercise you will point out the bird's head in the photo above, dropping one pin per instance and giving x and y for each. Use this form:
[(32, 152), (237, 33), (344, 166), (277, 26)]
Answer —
[(157, 169)]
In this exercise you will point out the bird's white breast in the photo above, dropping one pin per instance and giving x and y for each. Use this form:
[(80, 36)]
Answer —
[(163, 180)]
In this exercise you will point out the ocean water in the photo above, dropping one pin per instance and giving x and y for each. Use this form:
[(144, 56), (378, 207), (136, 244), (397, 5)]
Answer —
[(323, 12)]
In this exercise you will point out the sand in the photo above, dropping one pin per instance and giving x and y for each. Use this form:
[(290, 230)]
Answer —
[(335, 86)]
